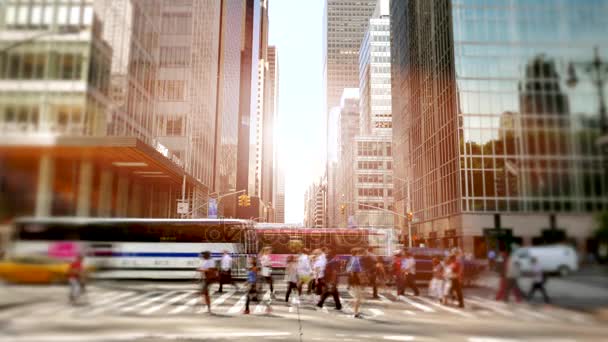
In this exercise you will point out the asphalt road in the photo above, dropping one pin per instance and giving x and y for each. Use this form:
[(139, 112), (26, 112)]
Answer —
[(138, 311)]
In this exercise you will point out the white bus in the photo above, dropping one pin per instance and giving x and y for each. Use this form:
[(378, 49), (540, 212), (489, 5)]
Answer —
[(136, 248)]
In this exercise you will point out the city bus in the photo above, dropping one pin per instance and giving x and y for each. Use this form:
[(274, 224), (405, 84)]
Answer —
[(286, 240), (134, 247)]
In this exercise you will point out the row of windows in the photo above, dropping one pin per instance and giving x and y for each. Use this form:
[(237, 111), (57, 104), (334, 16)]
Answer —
[(44, 15), (30, 66), (177, 23), (374, 165), (171, 90), (365, 148), (367, 178), (373, 192), (174, 56)]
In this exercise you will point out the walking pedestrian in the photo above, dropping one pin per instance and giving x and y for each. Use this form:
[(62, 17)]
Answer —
[(491, 260), (76, 276), (331, 281), (513, 273), (319, 266), (369, 266), (436, 284), (408, 269), (226, 271), (396, 272), (266, 263), (252, 278), (209, 274), (354, 269), (538, 281), (501, 268), (457, 276), (291, 276), (381, 276), (304, 270)]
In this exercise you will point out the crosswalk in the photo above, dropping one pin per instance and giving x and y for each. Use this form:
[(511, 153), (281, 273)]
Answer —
[(187, 301)]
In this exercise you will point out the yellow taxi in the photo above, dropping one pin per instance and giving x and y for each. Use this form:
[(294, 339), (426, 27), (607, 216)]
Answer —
[(34, 270)]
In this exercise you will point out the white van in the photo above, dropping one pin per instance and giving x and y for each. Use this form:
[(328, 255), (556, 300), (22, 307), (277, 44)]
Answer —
[(561, 259)]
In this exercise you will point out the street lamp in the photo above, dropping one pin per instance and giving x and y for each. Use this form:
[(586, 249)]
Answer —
[(597, 69)]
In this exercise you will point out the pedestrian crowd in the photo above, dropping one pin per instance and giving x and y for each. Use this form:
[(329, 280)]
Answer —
[(316, 275)]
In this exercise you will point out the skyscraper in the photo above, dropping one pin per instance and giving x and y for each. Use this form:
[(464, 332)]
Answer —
[(345, 23), (80, 95), (492, 144)]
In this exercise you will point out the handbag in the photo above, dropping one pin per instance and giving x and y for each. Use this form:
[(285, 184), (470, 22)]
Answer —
[(211, 275)]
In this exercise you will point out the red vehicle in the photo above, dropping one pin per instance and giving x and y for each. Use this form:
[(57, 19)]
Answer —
[(286, 240)]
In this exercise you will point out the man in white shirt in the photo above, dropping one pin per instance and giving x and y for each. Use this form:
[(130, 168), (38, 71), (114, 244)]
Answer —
[(225, 271), (319, 271), (408, 268)]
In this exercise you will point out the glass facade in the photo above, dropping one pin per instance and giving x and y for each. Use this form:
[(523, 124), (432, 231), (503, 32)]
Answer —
[(345, 24), (54, 69), (485, 119), (526, 139)]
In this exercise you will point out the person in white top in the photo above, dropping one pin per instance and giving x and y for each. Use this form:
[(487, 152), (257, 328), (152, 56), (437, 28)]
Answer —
[(226, 271), (266, 263), (408, 268), (538, 281), (304, 270), (319, 271), (291, 276), (208, 273)]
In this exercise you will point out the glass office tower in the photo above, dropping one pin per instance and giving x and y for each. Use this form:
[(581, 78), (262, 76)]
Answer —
[(492, 137)]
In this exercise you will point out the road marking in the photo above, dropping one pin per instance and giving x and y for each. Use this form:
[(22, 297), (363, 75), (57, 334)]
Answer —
[(263, 304), (489, 305), (124, 302), (531, 312), (149, 301), (221, 299), (384, 299), (409, 312), (376, 312), (238, 306), (447, 308), (107, 300), (491, 339), (416, 304), (165, 303), (399, 338), (186, 305)]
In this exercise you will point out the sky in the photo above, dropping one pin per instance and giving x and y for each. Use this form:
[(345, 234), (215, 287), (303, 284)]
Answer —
[(296, 30)]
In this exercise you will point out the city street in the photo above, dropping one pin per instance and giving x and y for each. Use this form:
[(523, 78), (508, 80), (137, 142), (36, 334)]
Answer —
[(161, 311)]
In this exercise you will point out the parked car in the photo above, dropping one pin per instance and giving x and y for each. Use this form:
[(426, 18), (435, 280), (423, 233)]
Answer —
[(553, 259)]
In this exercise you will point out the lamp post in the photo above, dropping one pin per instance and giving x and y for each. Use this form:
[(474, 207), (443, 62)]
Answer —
[(597, 69)]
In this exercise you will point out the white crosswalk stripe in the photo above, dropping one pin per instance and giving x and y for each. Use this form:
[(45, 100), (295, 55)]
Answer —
[(166, 303), (188, 301), (238, 306), (147, 302), (185, 306), (459, 312), (416, 304)]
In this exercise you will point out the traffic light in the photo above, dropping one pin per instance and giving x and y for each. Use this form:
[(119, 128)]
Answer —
[(247, 201), (242, 200), (343, 209), (410, 216)]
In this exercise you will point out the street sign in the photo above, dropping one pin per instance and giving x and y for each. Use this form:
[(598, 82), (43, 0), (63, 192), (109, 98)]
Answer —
[(352, 223), (212, 211), (183, 207)]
